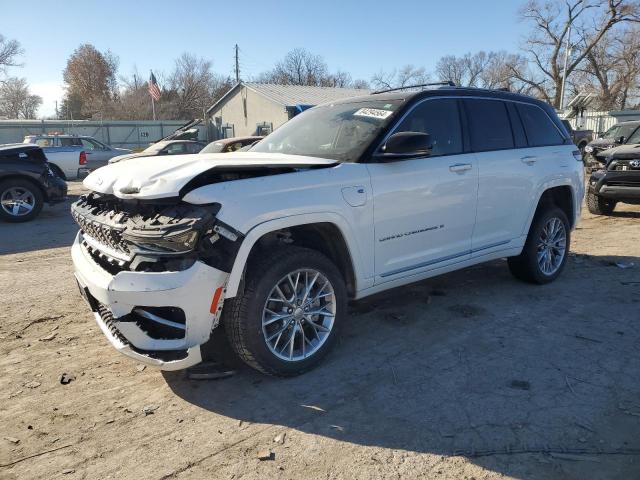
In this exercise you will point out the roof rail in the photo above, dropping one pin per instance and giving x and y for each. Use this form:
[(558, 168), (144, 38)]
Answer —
[(447, 83)]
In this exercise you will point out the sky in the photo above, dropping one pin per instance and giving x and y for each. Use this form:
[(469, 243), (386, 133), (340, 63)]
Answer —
[(358, 37)]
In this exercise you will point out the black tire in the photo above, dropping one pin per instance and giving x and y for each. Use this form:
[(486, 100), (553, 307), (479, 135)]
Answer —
[(33, 195), (525, 266), (56, 169), (242, 315), (598, 205)]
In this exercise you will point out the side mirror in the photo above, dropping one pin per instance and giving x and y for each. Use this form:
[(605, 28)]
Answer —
[(406, 145), (621, 140)]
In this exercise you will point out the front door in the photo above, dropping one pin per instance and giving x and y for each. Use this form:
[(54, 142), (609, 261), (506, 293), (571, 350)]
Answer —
[(424, 208)]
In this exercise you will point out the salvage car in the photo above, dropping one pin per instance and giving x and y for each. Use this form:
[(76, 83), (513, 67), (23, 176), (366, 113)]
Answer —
[(171, 147), (228, 145), (618, 180), (616, 135), (56, 148), (345, 200), (26, 182)]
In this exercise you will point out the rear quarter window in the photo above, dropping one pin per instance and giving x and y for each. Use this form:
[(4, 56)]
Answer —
[(540, 130)]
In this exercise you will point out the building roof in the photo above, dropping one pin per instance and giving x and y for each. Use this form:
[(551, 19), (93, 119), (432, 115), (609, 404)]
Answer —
[(291, 95)]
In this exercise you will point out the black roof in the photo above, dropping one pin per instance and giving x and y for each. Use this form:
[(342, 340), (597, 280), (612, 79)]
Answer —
[(17, 147), (411, 95)]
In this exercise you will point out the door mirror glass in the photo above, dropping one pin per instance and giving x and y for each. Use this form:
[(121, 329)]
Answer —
[(410, 144), (621, 140)]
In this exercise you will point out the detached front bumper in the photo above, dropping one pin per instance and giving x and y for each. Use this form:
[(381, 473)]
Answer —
[(117, 300)]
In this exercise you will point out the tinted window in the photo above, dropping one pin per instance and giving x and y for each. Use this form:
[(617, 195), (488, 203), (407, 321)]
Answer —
[(489, 126), (539, 128), (440, 119), (516, 126), (175, 149)]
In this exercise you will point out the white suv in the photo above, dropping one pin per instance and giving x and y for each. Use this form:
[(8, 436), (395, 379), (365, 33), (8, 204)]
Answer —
[(346, 200)]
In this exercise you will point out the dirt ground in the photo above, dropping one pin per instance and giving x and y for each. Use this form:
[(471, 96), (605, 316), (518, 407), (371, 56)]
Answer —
[(471, 375)]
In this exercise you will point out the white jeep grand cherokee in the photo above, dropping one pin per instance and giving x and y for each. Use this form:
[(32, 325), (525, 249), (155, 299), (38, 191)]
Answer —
[(345, 200)]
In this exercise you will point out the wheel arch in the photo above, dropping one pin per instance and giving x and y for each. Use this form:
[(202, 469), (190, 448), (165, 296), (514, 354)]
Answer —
[(562, 196), (17, 176), (326, 233)]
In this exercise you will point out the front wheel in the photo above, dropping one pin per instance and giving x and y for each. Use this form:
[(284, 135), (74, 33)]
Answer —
[(289, 315), (545, 252), (598, 205)]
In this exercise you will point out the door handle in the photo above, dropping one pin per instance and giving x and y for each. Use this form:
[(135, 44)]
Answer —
[(460, 167), (529, 159)]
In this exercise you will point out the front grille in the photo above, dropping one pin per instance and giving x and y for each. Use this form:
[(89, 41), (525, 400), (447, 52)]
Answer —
[(623, 184), (626, 165), (107, 235)]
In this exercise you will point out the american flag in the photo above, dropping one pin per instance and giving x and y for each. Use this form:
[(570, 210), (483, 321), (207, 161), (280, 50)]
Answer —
[(154, 90)]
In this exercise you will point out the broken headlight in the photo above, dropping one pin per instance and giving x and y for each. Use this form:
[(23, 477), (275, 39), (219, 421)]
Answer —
[(164, 242)]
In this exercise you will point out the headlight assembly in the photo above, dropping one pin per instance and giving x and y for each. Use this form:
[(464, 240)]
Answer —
[(588, 149), (178, 242)]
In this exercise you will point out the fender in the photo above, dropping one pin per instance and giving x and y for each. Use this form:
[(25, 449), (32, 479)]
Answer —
[(546, 184), (261, 229)]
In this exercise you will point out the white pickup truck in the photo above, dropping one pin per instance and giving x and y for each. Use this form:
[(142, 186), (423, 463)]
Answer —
[(346, 200)]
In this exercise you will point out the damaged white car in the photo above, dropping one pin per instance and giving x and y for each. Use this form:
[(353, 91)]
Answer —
[(345, 200)]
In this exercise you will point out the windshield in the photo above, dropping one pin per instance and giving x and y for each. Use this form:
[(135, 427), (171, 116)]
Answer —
[(156, 147), (340, 131), (620, 130), (213, 147), (635, 137)]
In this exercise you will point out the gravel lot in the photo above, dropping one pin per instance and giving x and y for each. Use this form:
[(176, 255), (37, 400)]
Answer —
[(469, 375)]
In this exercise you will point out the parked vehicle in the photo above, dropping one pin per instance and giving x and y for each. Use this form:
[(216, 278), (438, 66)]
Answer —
[(172, 147), (227, 145), (580, 138), (343, 201), (619, 178), (616, 135), (26, 182), (97, 153)]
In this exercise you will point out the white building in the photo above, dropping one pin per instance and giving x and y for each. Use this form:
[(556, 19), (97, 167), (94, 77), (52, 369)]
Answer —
[(259, 108)]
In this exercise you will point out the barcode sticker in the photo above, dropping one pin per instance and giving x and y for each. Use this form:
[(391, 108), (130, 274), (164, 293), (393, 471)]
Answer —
[(373, 113)]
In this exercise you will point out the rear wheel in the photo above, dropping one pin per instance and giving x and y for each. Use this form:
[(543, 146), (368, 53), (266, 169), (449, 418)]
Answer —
[(20, 200), (289, 315), (545, 252), (598, 205)]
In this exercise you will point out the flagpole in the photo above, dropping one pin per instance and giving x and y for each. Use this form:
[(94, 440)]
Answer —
[(153, 107)]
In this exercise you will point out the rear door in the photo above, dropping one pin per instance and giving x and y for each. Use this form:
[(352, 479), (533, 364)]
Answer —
[(505, 179), (424, 208)]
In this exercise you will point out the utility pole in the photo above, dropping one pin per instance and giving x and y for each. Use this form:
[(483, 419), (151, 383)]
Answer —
[(237, 66), (567, 51)]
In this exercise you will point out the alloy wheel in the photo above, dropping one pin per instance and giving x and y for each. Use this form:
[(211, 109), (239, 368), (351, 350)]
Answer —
[(299, 314), (18, 201), (552, 246)]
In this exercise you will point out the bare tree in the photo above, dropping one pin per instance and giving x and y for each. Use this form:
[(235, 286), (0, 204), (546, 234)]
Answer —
[(612, 69), (544, 47), (193, 87), (9, 51), (90, 78), (300, 67), (16, 101), (405, 76)]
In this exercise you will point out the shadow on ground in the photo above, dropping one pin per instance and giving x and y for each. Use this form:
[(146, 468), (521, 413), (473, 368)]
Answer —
[(53, 228), (471, 363)]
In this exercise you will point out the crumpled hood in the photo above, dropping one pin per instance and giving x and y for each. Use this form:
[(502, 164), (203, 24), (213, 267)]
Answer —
[(164, 176)]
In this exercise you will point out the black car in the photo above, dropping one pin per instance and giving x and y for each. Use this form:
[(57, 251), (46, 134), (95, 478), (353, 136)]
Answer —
[(617, 181), (619, 134), (26, 182)]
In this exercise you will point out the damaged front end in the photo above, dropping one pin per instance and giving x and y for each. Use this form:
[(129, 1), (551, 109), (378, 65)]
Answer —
[(154, 273)]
